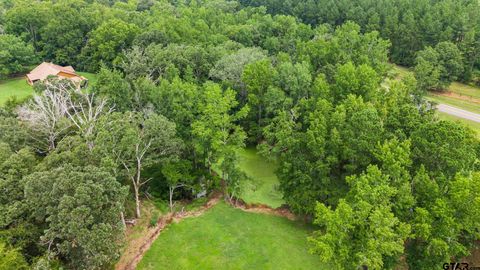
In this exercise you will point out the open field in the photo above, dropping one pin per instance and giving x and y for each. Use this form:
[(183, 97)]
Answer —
[(229, 238), (465, 90), (263, 189), (14, 87), (92, 77), (21, 89), (459, 103)]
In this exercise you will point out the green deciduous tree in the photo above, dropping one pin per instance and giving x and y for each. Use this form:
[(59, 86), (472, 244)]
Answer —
[(230, 67), (11, 259), (107, 42), (12, 170), (134, 142), (177, 175), (63, 37), (216, 130), (446, 219), (361, 81), (258, 78), (111, 84), (444, 148), (362, 230), (80, 208), (26, 19), (437, 67), (15, 55)]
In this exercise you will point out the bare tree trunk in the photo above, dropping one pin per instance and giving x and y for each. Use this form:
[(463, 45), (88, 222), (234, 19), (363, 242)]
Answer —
[(51, 143), (224, 184), (171, 189), (137, 201), (137, 182), (124, 223)]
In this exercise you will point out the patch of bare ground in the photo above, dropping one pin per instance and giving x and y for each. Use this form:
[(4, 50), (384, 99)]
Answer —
[(474, 259)]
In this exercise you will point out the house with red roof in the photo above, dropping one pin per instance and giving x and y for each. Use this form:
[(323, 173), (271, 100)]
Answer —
[(45, 69)]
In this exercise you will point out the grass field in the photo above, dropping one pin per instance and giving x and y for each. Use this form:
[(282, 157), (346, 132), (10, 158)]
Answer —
[(459, 103), (14, 87), (263, 188), (92, 77), (21, 89), (229, 238), (465, 90)]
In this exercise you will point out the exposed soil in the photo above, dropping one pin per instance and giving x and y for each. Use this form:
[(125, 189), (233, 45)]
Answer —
[(140, 246), (474, 259), (282, 211)]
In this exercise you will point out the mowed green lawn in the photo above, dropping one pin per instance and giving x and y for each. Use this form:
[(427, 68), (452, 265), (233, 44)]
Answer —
[(263, 189), (229, 238), (17, 87), (21, 89), (455, 102)]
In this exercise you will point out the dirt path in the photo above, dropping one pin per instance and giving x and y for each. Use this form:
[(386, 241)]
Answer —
[(131, 261)]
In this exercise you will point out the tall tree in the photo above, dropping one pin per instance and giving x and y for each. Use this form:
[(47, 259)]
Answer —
[(258, 78), (134, 142), (15, 55), (107, 42), (80, 208), (216, 130), (437, 67), (362, 231), (26, 19), (177, 174)]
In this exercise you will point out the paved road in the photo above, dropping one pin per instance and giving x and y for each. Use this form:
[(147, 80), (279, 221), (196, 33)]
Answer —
[(459, 112)]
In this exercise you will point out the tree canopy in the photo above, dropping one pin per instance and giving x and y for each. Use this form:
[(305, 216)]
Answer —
[(184, 85)]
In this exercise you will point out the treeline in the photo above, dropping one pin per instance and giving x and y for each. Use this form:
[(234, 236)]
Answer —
[(410, 25), (181, 87)]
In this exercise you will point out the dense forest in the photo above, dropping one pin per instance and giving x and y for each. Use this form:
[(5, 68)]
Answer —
[(182, 85), (410, 25)]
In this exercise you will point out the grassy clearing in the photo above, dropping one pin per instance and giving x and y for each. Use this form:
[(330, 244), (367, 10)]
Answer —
[(264, 187), (19, 87), (400, 71), (91, 77), (465, 90), (229, 238), (459, 103)]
